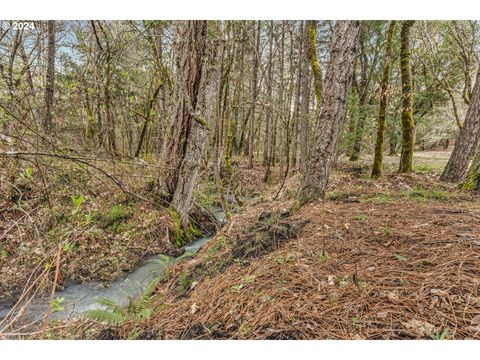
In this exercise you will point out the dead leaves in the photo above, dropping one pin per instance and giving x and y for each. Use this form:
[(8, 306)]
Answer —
[(419, 328)]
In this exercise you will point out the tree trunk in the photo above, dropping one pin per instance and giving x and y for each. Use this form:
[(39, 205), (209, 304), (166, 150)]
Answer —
[(408, 136), (304, 104), (192, 44), (378, 157), (472, 181), (256, 60), (50, 77), (338, 82), (467, 141), (269, 124), (314, 64)]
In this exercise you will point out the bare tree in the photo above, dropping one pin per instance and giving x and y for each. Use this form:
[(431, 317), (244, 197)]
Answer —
[(338, 82), (50, 77)]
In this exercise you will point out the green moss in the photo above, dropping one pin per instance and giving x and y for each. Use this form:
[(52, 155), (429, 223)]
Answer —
[(378, 157), (315, 65), (472, 181), (182, 235), (406, 160)]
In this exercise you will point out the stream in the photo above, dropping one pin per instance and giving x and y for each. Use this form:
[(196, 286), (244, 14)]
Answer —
[(79, 298)]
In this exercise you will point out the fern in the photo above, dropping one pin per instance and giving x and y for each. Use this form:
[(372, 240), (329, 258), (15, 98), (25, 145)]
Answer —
[(106, 316), (114, 314), (111, 306), (186, 254), (162, 261)]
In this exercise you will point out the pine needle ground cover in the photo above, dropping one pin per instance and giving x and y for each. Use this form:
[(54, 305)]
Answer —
[(367, 266)]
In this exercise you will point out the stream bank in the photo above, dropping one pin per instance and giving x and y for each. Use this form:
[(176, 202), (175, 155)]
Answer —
[(82, 297)]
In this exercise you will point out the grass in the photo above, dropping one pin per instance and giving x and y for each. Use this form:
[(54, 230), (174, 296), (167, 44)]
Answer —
[(185, 281), (115, 218), (386, 230), (381, 199), (361, 217), (428, 167), (420, 193)]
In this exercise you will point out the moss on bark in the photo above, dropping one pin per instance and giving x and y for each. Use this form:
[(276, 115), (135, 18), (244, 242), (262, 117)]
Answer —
[(312, 57), (182, 234), (378, 157), (406, 159)]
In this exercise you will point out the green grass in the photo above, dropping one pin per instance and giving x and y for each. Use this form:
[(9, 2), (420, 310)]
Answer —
[(381, 199), (185, 281), (420, 193), (361, 217), (115, 218), (428, 168)]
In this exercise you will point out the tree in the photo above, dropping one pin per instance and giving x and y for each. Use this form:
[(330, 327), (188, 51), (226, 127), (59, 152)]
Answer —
[(50, 77), (408, 136), (472, 181), (367, 60), (256, 61), (304, 103), (186, 144), (467, 140), (338, 81), (378, 157), (269, 125), (312, 56)]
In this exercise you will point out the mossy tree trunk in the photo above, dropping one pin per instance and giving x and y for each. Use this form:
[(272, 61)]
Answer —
[(378, 156), (467, 140), (472, 181), (360, 90), (338, 81), (408, 136), (314, 63)]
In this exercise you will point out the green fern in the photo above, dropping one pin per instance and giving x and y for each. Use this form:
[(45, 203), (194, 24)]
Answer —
[(114, 314), (139, 306), (106, 316), (111, 306)]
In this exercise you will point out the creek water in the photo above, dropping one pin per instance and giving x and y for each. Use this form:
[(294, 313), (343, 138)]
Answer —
[(78, 298)]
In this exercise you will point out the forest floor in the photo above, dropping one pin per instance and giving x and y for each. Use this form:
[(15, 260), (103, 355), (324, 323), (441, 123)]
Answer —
[(103, 232), (395, 258)]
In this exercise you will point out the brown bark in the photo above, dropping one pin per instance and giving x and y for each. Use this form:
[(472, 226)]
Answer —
[(467, 141), (304, 104), (338, 82), (191, 51), (256, 60), (269, 124), (50, 77), (378, 157)]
